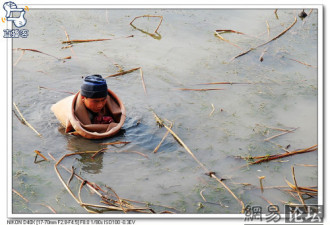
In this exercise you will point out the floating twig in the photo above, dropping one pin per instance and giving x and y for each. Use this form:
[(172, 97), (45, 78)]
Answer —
[(222, 38), (205, 89), (211, 83), (276, 13), (119, 199), (47, 206), (16, 192), (283, 155), (296, 186), (98, 152), (163, 139), (143, 84), (260, 181), (302, 63), (25, 121), (68, 46), (123, 73), (27, 201), (306, 165), (71, 176), (92, 186), (136, 152), (274, 128), (201, 194), (211, 174), (212, 110), (53, 89), (261, 58), (230, 31), (19, 58), (116, 143), (289, 131), (68, 39), (34, 50), (274, 38), (41, 155), (268, 29), (270, 203), (93, 40), (160, 22)]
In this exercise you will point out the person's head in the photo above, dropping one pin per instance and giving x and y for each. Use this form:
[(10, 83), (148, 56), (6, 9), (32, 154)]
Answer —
[(94, 91)]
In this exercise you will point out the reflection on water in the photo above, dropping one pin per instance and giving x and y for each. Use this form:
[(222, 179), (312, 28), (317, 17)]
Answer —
[(216, 125)]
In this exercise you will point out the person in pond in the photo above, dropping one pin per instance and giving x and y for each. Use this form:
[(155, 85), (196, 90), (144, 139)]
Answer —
[(94, 92), (94, 112)]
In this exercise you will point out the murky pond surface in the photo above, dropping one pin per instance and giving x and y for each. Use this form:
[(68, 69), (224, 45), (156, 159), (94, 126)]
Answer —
[(280, 92)]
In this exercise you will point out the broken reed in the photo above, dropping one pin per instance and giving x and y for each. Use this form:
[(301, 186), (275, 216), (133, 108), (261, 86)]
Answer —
[(274, 38), (27, 201), (129, 71), (160, 22), (93, 40), (93, 208), (267, 158), (35, 50), (161, 123), (24, 121)]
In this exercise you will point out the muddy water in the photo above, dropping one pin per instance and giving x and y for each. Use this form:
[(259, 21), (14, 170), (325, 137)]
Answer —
[(280, 93)]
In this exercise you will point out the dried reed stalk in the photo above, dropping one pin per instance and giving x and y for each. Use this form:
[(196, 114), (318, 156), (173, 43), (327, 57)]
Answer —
[(211, 174), (163, 139), (41, 155), (277, 135), (53, 89), (268, 28), (212, 110), (25, 121), (143, 84), (129, 151), (201, 194), (230, 31), (68, 39), (274, 128), (269, 202), (93, 40), (34, 50), (98, 152), (276, 13), (261, 58), (268, 158), (71, 176), (229, 42), (27, 201), (306, 165), (19, 58), (78, 199), (260, 181), (123, 73), (206, 89), (222, 83), (274, 38), (296, 186), (302, 63), (16, 192), (119, 199), (116, 143), (47, 206), (160, 22)]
